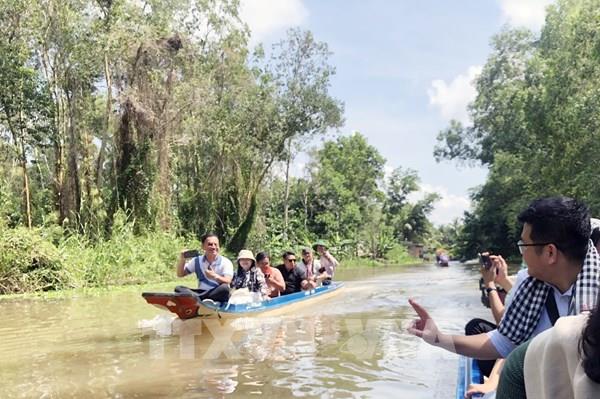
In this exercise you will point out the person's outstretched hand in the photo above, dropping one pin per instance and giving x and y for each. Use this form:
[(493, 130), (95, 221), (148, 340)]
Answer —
[(424, 326)]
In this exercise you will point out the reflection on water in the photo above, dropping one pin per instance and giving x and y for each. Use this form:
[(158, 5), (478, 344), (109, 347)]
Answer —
[(351, 345)]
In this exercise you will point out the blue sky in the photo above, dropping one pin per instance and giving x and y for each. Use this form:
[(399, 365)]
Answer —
[(404, 69)]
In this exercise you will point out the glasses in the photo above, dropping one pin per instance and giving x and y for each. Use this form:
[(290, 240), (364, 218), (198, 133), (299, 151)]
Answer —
[(292, 260), (521, 244)]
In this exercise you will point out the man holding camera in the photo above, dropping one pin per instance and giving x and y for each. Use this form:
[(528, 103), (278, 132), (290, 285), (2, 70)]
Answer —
[(214, 272), (561, 279)]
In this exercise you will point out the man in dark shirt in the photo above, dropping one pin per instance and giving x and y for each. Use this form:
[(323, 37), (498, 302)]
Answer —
[(294, 277)]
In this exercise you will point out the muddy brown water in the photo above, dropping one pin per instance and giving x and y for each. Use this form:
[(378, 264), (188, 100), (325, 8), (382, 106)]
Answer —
[(354, 344)]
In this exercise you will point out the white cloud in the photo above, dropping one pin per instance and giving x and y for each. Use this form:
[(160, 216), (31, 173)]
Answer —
[(445, 210), (266, 18), (527, 13), (453, 98)]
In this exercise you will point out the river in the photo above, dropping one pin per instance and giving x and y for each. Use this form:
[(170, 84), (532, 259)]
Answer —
[(354, 344)]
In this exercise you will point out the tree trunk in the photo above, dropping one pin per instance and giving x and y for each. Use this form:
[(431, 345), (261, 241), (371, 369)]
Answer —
[(26, 194), (105, 134), (164, 167), (238, 241), (72, 188), (286, 203), (18, 134)]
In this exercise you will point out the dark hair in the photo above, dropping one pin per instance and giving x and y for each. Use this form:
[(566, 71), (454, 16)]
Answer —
[(589, 345), (562, 221), (261, 255), (286, 254), (595, 235), (208, 235)]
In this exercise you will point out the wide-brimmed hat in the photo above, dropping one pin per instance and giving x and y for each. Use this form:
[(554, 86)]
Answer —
[(321, 243), (246, 254)]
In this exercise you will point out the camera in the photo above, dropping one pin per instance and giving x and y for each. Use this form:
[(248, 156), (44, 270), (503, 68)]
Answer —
[(484, 259), (192, 253)]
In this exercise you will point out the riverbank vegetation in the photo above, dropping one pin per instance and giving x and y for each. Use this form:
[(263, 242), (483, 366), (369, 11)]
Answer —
[(128, 128), (535, 125)]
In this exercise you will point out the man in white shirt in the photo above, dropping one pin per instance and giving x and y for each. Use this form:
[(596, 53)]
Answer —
[(554, 245), (312, 267), (328, 262), (214, 272)]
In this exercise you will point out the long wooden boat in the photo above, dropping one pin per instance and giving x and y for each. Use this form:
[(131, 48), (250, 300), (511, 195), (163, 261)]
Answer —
[(186, 306), (468, 373)]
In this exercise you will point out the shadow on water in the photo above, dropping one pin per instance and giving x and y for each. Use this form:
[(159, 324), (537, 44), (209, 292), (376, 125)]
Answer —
[(351, 345)]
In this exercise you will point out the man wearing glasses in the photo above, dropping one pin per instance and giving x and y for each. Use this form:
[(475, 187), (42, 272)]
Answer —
[(294, 277), (561, 279)]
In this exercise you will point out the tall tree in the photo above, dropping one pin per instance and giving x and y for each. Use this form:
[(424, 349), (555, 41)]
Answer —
[(25, 108), (346, 174), (534, 122)]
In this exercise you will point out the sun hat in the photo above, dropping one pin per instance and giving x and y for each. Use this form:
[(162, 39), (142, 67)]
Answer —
[(321, 243), (246, 254)]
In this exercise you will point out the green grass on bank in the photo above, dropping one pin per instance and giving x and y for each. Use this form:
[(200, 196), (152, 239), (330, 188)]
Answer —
[(397, 256), (35, 261), (42, 261)]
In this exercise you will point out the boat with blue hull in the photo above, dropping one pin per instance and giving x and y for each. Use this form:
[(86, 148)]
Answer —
[(187, 306)]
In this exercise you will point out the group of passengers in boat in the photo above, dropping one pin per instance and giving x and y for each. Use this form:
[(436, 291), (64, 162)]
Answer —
[(217, 278), (548, 330)]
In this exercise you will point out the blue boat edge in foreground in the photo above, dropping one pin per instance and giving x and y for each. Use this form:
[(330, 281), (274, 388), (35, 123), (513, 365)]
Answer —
[(468, 373)]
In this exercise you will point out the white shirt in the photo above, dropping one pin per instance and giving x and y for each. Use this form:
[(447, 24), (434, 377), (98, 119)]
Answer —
[(328, 264), (504, 345), (314, 270), (224, 269)]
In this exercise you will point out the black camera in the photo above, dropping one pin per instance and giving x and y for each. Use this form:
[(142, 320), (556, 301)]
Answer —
[(192, 253), (484, 259)]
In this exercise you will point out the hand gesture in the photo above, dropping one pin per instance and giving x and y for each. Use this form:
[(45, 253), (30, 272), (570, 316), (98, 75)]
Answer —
[(210, 273), (424, 326), (488, 274), (501, 268)]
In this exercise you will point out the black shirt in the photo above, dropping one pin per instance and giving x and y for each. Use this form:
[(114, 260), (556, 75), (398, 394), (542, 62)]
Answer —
[(293, 279)]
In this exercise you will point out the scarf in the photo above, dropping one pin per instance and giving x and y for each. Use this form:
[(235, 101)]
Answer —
[(523, 313)]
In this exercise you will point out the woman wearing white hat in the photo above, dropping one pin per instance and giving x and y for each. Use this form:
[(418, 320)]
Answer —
[(248, 275)]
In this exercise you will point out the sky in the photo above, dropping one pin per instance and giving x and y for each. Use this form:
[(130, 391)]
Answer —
[(404, 69)]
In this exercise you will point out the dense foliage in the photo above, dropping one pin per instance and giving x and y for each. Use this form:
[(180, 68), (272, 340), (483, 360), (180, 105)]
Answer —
[(535, 124), (157, 112)]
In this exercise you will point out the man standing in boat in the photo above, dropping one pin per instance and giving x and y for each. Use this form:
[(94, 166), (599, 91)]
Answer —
[(562, 278), (214, 272)]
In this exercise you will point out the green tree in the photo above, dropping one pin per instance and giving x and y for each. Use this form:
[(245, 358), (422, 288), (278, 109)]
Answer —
[(346, 174), (25, 108), (534, 123)]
